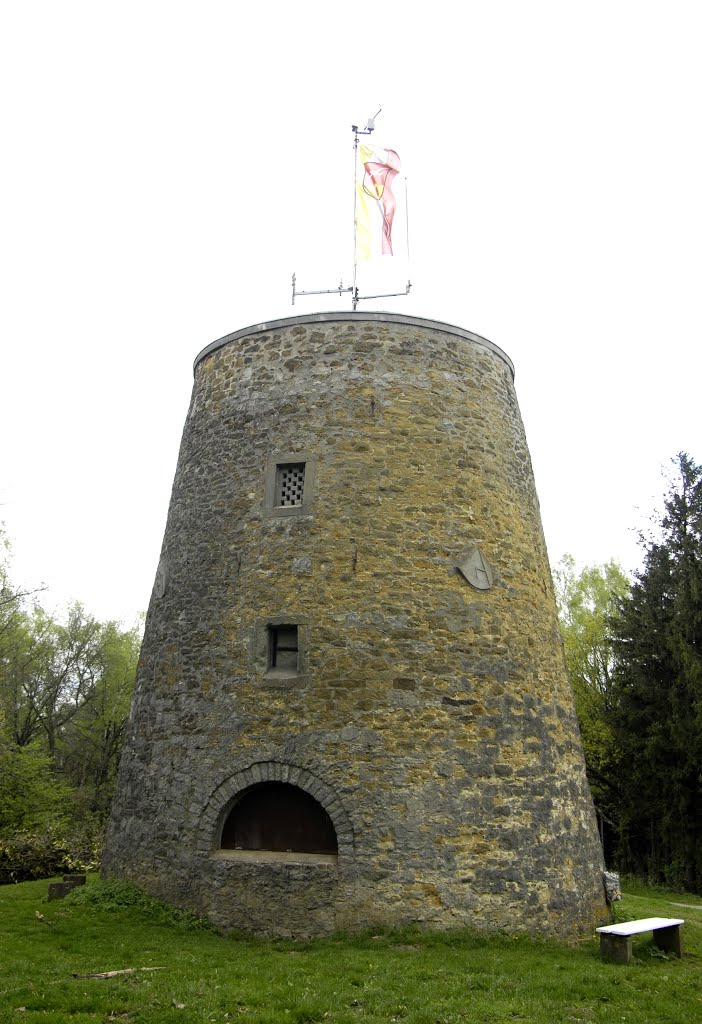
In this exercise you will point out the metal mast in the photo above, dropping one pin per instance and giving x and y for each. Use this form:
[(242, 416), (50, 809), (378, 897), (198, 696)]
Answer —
[(353, 288)]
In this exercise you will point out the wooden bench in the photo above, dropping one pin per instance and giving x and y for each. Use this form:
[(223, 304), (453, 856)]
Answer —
[(615, 939)]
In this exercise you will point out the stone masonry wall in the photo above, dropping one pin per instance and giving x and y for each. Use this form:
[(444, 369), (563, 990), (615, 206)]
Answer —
[(432, 720)]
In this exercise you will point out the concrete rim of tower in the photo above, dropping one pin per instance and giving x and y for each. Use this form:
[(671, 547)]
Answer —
[(346, 316)]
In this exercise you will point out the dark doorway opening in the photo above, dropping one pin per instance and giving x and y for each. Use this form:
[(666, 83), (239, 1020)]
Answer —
[(278, 816)]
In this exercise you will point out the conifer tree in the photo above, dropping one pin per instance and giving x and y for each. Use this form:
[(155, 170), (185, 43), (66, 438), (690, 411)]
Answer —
[(657, 689)]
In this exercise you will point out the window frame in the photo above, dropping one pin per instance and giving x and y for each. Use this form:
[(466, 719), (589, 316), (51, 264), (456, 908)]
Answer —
[(269, 675), (270, 484), (275, 630)]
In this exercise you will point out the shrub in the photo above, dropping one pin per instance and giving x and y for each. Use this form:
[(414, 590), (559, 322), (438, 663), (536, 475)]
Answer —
[(50, 851), (116, 894)]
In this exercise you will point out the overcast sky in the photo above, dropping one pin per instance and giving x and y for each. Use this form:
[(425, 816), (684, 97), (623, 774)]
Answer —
[(166, 167)]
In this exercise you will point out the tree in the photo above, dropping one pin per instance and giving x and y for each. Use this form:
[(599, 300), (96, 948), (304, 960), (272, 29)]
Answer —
[(30, 795), (586, 602), (11, 598), (65, 689), (68, 667), (657, 695), (51, 668), (18, 719), (91, 740)]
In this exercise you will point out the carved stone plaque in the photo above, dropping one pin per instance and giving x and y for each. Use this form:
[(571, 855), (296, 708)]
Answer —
[(161, 581), (475, 568)]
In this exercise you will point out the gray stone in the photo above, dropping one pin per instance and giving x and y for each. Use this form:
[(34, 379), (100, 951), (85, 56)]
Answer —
[(431, 722)]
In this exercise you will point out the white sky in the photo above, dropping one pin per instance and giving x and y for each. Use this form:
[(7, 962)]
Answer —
[(166, 166)]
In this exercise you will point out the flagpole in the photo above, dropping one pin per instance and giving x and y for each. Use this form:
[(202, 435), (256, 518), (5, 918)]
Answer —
[(407, 222), (370, 125), (355, 297), (354, 289)]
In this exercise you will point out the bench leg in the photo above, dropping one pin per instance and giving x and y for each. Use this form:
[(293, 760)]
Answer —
[(669, 939), (615, 947)]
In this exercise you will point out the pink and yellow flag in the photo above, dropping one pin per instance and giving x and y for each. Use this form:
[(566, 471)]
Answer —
[(375, 202)]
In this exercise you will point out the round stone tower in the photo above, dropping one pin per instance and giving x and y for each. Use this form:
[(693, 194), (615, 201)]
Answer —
[(352, 707)]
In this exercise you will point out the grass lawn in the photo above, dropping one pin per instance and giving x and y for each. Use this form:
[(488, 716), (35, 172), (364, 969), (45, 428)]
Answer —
[(408, 976)]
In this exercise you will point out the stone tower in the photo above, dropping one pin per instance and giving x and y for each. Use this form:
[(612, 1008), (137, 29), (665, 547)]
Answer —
[(352, 707)]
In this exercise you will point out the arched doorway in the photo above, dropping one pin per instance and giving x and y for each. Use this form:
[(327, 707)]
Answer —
[(281, 817)]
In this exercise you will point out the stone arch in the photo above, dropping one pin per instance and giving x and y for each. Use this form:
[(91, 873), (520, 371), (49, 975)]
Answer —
[(281, 818), (226, 794)]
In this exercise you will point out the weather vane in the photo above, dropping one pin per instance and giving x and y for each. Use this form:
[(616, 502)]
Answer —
[(374, 205)]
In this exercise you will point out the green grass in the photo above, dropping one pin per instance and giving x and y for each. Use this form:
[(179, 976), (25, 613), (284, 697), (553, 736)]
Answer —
[(410, 977)]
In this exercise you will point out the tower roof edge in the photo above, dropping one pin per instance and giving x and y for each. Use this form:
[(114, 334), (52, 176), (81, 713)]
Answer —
[(354, 317)]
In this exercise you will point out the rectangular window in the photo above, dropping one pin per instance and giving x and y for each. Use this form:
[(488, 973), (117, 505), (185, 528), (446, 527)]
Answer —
[(289, 484), (282, 648)]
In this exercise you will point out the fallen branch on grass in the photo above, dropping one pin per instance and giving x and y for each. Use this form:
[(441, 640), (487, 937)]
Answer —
[(113, 974)]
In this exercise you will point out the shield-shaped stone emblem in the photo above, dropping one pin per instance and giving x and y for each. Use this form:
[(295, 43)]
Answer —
[(474, 567)]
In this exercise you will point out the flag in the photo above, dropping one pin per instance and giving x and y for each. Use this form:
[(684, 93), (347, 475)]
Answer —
[(375, 202)]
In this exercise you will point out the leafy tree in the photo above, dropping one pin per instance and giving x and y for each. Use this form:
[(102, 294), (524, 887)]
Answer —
[(586, 602), (65, 689), (68, 668), (30, 795), (18, 711), (12, 598), (51, 669), (18, 720), (657, 695), (91, 741)]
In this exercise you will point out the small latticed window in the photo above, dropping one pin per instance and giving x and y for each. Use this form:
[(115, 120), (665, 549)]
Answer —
[(290, 484)]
